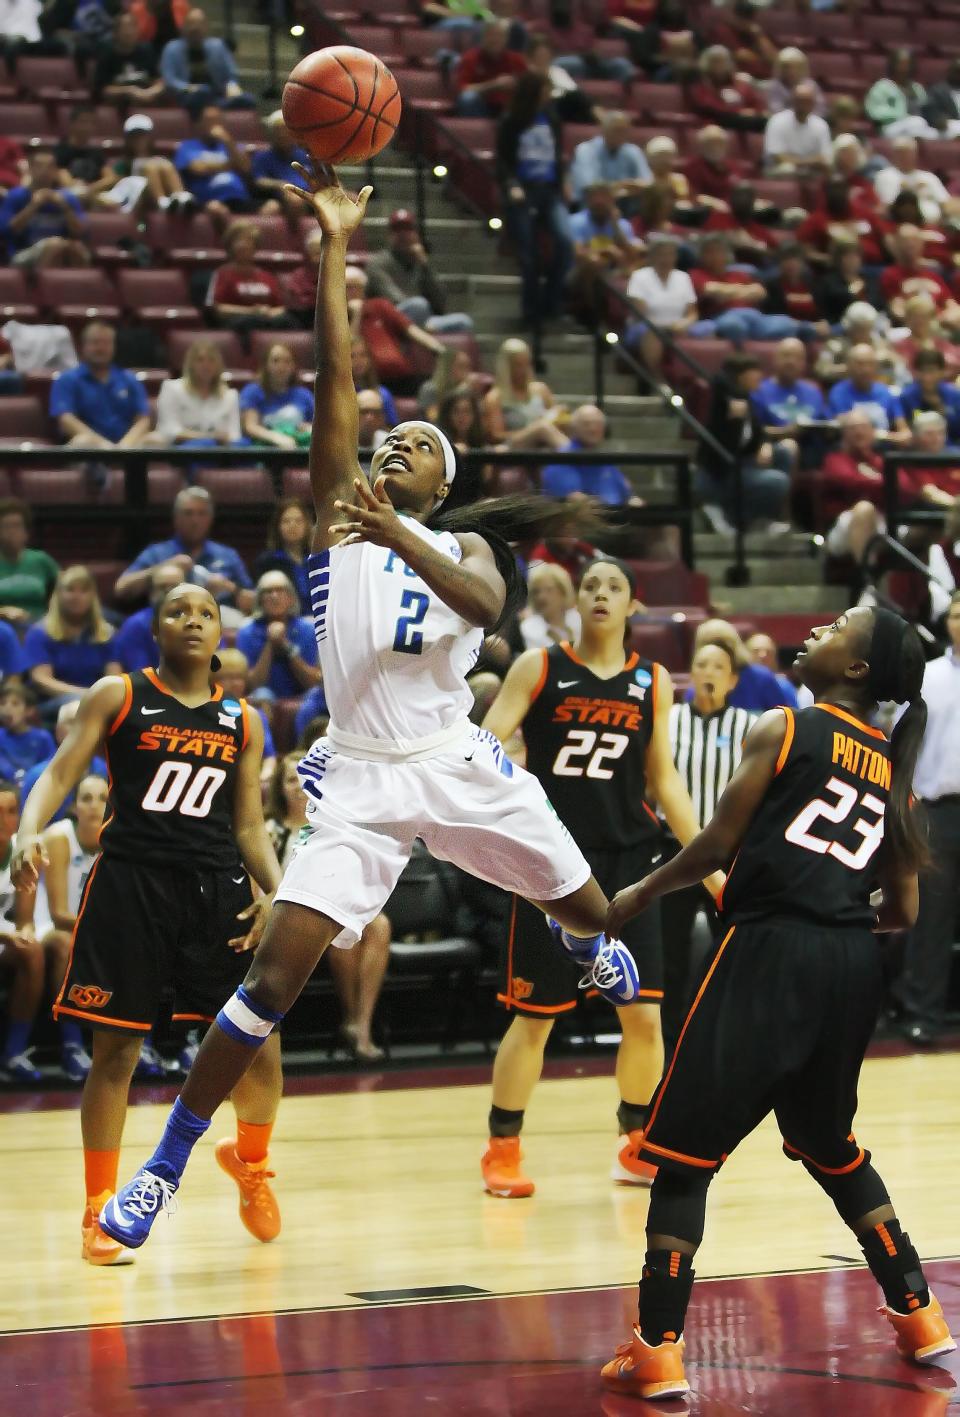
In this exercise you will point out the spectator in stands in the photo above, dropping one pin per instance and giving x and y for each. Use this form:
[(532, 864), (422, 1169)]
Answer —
[(455, 15), (604, 482), (857, 168), (288, 546), (242, 295), (603, 245), (134, 643), (861, 325), (97, 404), (932, 392), (942, 110), (275, 408), (531, 175), (21, 746), (452, 372), (388, 334), (199, 409), (65, 717), (72, 646), (790, 70), (551, 617), (729, 301), (762, 649), (233, 676), (373, 422), (141, 177), (27, 575), (922, 332), (851, 482), (628, 18), (610, 158), (937, 484), (663, 294), (722, 96), (13, 164), (938, 243), (570, 103), (272, 168), (520, 410), (906, 175), (757, 688), (487, 74), (22, 962), (912, 275), (844, 282), (862, 388), (300, 286), (764, 468), (791, 290), (896, 103), (667, 47), (786, 403), (797, 139), (402, 274), (204, 562), (10, 651), (42, 223), (711, 174), (126, 70), (279, 642), (662, 157), (214, 168), (752, 239), (365, 376), (656, 209), (735, 26), (460, 417), (80, 160), (943, 559), (159, 20), (198, 69)]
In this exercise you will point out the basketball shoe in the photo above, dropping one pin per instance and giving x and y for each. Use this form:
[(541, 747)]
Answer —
[(644, 1371), (128, 1216), (96, 1246), (922, 1336), (258, 1205), (608, 965), (500, 1168), (629, 1167)]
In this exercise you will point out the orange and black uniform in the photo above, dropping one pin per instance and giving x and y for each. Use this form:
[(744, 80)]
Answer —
[(587, 741), (162, 899), (791, 993)]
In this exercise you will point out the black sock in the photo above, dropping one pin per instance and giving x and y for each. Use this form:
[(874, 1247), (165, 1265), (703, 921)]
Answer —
[(632, 1116), (895, 1265), (664, 1294), (504, 1123)]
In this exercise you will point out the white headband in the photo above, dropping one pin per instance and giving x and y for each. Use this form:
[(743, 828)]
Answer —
[(449, 456)]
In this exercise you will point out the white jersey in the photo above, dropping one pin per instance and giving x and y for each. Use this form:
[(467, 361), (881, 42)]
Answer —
[(79, 866), (394, 656)]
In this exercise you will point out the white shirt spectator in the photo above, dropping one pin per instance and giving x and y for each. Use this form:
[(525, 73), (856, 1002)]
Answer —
[(943, 584), (178, 408), (537, 634), (931, 193), (938, 766), (20, 19), (667, 301), (786, 136)]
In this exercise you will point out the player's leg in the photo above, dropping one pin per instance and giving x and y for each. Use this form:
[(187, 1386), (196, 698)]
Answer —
[(256, 1101), (23, 961), (639, 1069), (103, 1112), (358, 977)]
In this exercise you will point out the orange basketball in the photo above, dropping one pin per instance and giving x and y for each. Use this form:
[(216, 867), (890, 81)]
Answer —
[(341, 104)]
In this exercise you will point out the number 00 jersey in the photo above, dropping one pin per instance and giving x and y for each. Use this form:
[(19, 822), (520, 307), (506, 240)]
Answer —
[(173, 773), (811, 847), (587, 741)]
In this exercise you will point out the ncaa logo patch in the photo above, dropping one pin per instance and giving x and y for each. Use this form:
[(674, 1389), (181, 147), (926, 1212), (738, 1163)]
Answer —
[(644, 678), (232, 707), (89, 996)]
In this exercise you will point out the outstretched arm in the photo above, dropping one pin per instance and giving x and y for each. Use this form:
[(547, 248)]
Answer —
[(336, 424)]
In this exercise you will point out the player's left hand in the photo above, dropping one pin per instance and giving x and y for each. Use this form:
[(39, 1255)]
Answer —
[(626, 904), (372, 518), (258, 914)]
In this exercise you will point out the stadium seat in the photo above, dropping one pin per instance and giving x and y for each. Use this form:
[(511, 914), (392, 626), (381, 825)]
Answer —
[(27, 123), (75, 296), (299, 343), (670, 583), (22, 417), (50, 80), (660, 640), (278, 246), (425, 89), (170, 125), (296, 483), (179, 341), (282, 720), (16, 302), (185, 240), (236, 486), (157, 297), (506, 480), (112, 237), (243, 125), (710, 354)]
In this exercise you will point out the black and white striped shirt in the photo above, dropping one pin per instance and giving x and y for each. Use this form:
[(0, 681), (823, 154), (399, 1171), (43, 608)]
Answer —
[(707, 750)]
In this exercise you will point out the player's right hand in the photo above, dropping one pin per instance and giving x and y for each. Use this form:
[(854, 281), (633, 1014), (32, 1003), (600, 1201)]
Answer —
[(338, 212), (28, 861)]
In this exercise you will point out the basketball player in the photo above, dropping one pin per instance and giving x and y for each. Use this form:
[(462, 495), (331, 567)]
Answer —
[(595, 723), (161, 904), (400, 612), (818, 814)]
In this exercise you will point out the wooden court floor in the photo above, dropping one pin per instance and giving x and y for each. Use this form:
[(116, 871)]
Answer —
[(380, 1191)]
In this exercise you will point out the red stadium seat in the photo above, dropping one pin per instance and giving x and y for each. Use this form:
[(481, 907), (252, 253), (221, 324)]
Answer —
[(510, 479), (27, 123), (425, 88), (160, 298), (296, 483), (278, 244), (670, 583), (282, 721), (299, 343), (76, 296), (243, 125), (710, 354), (185, 240), (22, 416), (659, 640), (170, 125), (64, 486), (112, 236), (16, 302), (236, 486), (51, 80), (179, 341)]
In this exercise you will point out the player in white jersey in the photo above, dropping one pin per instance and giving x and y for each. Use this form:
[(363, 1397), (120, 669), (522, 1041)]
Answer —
[(400, 613)]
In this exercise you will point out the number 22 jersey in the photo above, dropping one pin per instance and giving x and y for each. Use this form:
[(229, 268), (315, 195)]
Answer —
[(173, 774), (810, 851)]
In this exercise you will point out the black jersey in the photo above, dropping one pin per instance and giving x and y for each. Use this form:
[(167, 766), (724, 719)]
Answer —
[(173, 774), (811, 848), (587, 741)]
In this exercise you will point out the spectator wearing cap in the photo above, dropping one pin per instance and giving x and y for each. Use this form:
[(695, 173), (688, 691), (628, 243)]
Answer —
[(913, 275), (792, 68), (126, 70), (97, 404), (663, 294), (603, 245), (931, 391), (199, 559), (142, 178), (723, 96), (388, 333), (198, 69), (862, 388), (242, 295), (402, 274), (486, 74), (610, 158), (906, 175), (280, 644), (42, 223), (797, 139), (272, 168), (604, 482), (712, 173), (214, 168)]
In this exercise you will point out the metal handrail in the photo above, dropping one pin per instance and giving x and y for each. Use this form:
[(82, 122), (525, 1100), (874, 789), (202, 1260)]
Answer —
[(894, 458)]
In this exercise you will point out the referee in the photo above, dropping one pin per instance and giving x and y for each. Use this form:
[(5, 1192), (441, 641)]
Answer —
[(706, 740)]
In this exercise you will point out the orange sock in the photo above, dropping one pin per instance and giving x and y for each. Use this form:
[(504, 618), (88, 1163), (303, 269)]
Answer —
[(100, 1171), (253, 1139)]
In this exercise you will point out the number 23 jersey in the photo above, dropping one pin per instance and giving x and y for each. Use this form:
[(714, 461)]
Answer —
[(587, 741), (811, 849), (173, 775)]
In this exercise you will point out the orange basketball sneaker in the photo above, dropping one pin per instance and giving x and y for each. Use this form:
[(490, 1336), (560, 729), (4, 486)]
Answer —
[(96, 1246), (922, 1336), (644, 1371), (500, 1168), (258, 1205), (629, 1168)]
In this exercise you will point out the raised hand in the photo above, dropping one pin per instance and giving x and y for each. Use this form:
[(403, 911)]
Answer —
[(372, 518), (338, 212)]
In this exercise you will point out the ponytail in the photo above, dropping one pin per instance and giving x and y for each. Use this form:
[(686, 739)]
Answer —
[(896, 661)]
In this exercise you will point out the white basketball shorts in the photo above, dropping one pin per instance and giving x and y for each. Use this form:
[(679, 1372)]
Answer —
[(469, 805)]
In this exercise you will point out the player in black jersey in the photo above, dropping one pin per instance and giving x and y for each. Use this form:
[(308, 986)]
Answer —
[(163, 900), (816, 817), (595, 724)]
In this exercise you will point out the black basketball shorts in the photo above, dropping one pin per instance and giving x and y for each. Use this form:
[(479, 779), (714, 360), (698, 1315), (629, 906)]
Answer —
[(539, 979), (144, 929), (780, 1022)]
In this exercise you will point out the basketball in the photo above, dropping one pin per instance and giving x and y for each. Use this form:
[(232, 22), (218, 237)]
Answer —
[(342, 104)]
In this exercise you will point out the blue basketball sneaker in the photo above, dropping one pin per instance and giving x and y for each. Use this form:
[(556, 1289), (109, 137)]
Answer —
[(128, 1216), (609, 966)]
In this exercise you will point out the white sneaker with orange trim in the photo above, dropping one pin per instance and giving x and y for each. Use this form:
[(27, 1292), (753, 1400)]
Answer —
[(629, 1167)]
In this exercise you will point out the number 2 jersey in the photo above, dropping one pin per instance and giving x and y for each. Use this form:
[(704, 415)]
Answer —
[(173, 774), (587, 741), (810, 851)]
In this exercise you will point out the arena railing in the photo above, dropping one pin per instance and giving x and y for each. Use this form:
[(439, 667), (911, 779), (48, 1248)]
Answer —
[(894, 458)]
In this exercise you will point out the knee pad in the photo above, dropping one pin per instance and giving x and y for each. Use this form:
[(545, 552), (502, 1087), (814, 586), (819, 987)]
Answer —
[(855, 1193), (246, 1021), (678, 1204)]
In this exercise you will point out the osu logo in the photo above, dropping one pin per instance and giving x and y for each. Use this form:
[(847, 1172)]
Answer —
[(522, 988), (90, 996)]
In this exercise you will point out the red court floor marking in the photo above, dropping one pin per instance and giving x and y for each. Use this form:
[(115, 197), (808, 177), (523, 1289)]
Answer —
[(796, 1345)]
